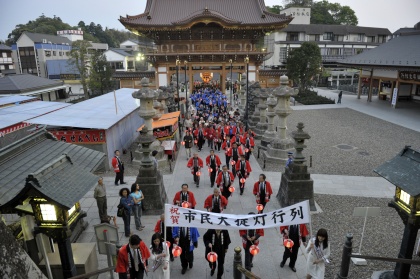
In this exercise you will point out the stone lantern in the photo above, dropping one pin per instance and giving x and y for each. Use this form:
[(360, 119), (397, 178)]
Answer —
[(277, 150), (253, 103), (404, 172), (262, 125), (242, 94), (270, 132), (146, 96)]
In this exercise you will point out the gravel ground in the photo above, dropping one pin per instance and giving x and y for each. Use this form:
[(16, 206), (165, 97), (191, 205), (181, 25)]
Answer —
[(372, 140), (382, 236)]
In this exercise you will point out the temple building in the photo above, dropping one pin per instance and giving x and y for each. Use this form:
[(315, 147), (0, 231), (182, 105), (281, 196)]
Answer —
[(208, 41)]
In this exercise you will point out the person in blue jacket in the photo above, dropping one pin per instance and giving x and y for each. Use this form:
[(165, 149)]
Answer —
[(187, 239)]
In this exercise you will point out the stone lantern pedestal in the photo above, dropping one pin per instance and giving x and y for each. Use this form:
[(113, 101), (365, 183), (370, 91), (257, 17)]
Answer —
[(279, 147), (296, 184), (242, 95), (150, 178), (270, 132), (262, 125), (253, 103)]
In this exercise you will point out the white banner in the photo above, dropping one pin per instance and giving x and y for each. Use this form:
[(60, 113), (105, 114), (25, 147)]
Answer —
[(176, 216)]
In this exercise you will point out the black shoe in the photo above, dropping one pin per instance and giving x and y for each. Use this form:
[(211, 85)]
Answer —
[(251, 265), (123, 183), (293, 268), (172, 258), (191, 265), (212, 272), (183, 271), (281, 264), (241, 193), (198, 185), (116, 184), (211, 185)]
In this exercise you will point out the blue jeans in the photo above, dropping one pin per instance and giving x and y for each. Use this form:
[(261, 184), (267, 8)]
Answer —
[(137, 215), (126, 219)]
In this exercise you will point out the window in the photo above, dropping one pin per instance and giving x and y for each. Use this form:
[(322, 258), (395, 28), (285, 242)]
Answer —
[(328, 36), (60, 53), (48, 53), (283, 54), (292, 36), (4, 54), (1, 67), (371, 39), (334, 51), (360, 37), (54, 53), (48, 212), (317, 38), (130, 65)]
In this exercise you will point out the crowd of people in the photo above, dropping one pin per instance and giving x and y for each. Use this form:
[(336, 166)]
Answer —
[(210, 120)]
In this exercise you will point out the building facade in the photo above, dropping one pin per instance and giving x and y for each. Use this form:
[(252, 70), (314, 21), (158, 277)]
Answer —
[(210, 38), (6, 62)]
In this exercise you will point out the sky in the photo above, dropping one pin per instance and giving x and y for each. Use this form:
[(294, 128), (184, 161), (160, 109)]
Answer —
[(389, 14)]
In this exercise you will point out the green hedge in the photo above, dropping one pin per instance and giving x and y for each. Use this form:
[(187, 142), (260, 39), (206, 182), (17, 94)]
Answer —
[(312, 98)]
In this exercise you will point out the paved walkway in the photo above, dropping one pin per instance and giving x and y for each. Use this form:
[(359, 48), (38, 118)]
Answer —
[(266, 264)]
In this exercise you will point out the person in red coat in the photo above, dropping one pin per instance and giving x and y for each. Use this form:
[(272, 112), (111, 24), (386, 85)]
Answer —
[(210, 136), (195, 164), (217, 140), (224, 180), (243, 169), (213, 162), (250, 237), (262, 191), (185, 196), (132, 259), (249, 144), (298, 234), (226, 146), (118, 166), (215, 203), (234, 154)]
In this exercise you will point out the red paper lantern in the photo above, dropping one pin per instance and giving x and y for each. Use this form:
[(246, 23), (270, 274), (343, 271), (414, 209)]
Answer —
[(212, 257), (246, 150), (232, 162), (195, 141), (168, 243), (210, 169), (288, 243), (176, 251), (198, 173), (242, 180), (260, 207), (231, 189), (183, 142), (185, 204), (254, 250)]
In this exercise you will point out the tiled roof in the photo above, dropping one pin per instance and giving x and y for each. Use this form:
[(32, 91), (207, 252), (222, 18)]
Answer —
[(121, 52), (239, 12), (66, 183), (25, 82), (318, 29), (403, 171), (38, 38), (272, 72), (4, 47), (402, 51), (133, 75)]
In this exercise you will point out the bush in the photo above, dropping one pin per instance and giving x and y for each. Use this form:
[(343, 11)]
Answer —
[(309, 97)]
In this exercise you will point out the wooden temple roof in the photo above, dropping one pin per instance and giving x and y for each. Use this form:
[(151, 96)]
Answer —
[(182, 14)]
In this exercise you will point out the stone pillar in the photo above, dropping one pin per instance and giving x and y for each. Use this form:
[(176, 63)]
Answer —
[(270, 132), (253, 105), (296, 184), (262, 125), (150, 178), (146, 96), (278, 148)]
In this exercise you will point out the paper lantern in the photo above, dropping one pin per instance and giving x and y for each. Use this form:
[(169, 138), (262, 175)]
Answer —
[(198, 173), (185, 204), (195, 141), (242, 180), (260, 207), (288, 243), (246, 150), (168, 243), (210, 169), (212, 257), (176, 251), (183, 142), (231, 189), (232, 162), (254, 250)]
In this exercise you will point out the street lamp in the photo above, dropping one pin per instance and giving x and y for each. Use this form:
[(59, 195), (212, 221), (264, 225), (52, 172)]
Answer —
[(231, 84), (177, 89), (247, 93), (186, 85), (264, 49)]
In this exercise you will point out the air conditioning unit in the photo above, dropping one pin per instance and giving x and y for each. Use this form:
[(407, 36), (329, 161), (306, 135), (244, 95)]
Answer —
[(44, 41)]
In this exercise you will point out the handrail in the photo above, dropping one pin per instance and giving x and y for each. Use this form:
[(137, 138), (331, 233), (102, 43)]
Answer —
[(93, 273), (246, 272), (386, 259)]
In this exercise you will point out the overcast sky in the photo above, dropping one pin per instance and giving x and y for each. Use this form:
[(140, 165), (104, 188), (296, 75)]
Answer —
[(371, 13)]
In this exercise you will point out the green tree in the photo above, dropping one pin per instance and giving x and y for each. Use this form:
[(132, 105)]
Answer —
[(324, 12), (275, 9), (303, 64), (79, 57), (100, 74), (297, 3)]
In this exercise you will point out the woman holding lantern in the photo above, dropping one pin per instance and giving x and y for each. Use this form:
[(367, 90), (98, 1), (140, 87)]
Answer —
[(318, 253), (216, 243)]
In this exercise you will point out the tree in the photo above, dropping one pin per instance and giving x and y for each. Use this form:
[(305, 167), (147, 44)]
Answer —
[(297, 3), (303, 64), (100, 74), (324, 12), (275, 9), (79, 57)]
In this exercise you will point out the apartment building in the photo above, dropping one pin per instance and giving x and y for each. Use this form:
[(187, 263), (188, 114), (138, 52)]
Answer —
[(6, 61)]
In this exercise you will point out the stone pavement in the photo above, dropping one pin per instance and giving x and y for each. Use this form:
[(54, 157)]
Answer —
[(267, 262)]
